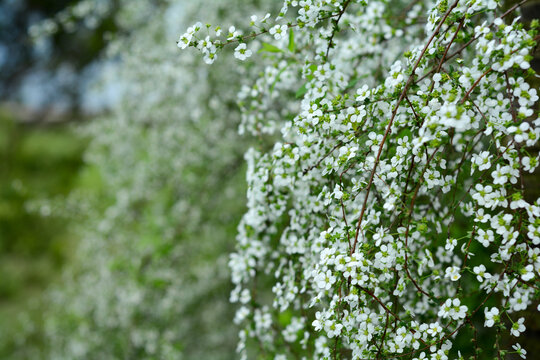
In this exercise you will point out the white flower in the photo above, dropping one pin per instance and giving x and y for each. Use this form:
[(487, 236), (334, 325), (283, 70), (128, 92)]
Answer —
[(452, 308), (483, 194), (434, 329), (241, 314), (482, 160), (374, 141), (520, 351), (338, 194), (501, 223), (266, 17), (332, 328), (500, 175), (325, 280), (450, 244), (278, 31), (492, 316), (460, 311), (527, 273), (481, 216), (534, 234), (485, 237), (241, 52), (185, 40), (318, 322), (480, 271), (233, 33), (518, 327), (433, 178), (529, 164), (520, 132), (453, 273), (446, 309), (209, 58)]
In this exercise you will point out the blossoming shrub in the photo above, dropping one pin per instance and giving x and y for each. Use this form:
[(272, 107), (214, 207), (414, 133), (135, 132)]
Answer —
[(388, 215)]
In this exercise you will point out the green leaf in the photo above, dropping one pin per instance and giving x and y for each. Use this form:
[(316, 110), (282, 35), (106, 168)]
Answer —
[(278, 76), (312, 67), (270, 48), (352, 83), (300, 92), (292, 45)]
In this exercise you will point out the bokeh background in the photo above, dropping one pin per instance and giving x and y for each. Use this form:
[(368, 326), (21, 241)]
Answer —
[(121, 181), (41, 92)]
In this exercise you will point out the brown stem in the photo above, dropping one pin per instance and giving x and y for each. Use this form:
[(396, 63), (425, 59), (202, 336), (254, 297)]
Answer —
[(394, 113)]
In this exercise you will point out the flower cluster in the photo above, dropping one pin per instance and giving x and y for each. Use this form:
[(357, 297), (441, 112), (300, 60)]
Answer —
[(388, 204)]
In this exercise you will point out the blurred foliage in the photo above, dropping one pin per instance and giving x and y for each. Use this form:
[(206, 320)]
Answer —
[(36, 164)]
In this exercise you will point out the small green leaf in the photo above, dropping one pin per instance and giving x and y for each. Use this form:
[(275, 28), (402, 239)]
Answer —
[(352, 83), (292, 45), (270, 48), (300, 92), (278, 76)]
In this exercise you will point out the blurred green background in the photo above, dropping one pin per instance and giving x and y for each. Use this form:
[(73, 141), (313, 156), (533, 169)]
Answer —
[(41, 154), (38, 162)]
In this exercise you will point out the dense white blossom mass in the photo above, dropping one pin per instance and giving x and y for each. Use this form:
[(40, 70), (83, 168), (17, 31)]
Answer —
[(388, 212)]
